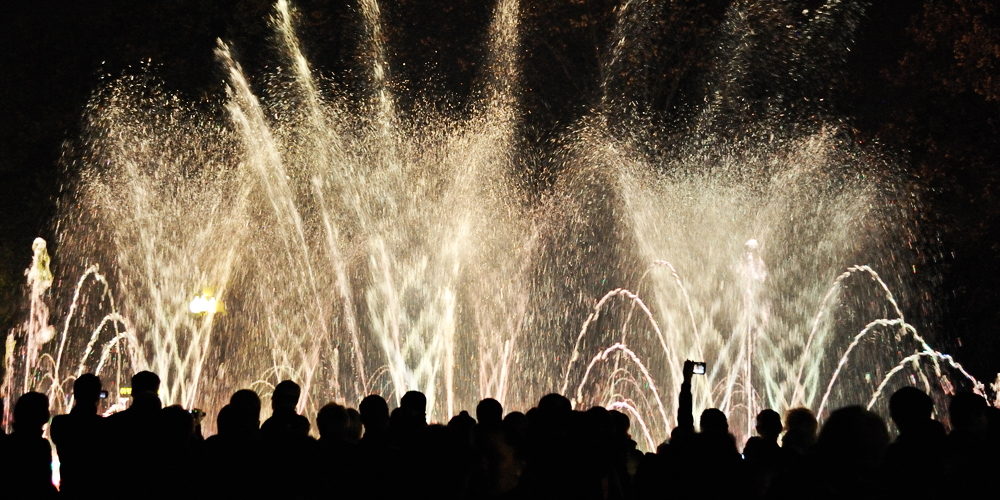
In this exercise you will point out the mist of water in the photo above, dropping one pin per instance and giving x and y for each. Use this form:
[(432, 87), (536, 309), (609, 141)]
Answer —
[(357, 250)]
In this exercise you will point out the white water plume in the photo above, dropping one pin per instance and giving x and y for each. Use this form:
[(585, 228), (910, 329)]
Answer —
[(357, 250)]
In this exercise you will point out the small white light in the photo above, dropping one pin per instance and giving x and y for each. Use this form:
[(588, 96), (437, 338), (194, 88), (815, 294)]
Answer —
[(204, 304)]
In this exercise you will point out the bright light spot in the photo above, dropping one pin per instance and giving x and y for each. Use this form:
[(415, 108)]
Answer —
[(205, 304)]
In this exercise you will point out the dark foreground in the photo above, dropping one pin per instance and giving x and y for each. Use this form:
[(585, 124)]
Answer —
[(551, 451)]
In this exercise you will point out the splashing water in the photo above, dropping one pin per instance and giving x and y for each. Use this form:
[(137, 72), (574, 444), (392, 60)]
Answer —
[(359, 252)]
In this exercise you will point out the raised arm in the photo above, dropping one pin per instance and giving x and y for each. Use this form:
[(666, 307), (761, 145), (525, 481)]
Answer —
[(685, 410)]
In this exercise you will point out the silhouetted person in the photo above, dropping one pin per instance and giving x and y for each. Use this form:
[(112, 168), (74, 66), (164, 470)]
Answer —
[(489, 412), (967, 412), (460, 427), (517, 423), (921, 441), (716, 451), (79, 437), (685, 405), (608, 462), (845, 461), (624, 444), (285, 421), (499, 459), (378, 455), (762, 453), (559, 452), (235, 451), (971, 450), (438, 461), (179, 455), (764, 446), (26, 460), (692, 460), (415, 404), (800, 433), (337, 458), (285, 437), (136, 428), (656, 475), (145, 381), (715, 436), (407, 421), (374, 413), (332, 422), (245, 414), (354, 427), (676, 467), (713, 422), (796, 456)]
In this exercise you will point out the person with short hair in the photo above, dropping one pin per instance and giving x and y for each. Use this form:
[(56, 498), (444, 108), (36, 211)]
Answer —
[(26, 460), (284, 419), (921, 441), (78, 436), (137, 427), (489, 412), (286, 442)]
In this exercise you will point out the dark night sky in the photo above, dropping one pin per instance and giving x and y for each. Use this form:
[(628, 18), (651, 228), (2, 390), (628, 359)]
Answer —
[(922, 81)]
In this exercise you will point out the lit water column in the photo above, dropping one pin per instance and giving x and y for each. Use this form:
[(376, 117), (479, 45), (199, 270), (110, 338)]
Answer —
[(754, 273)]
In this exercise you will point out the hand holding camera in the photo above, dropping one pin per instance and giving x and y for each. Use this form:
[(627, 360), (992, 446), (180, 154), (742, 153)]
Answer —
[(693, 368)]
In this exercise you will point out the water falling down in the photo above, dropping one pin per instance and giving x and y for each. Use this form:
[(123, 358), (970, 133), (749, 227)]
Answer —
[(321, 234)]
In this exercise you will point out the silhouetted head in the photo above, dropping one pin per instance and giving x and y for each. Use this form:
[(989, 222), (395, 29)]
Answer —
[(353, 432), (30, 413), (769, 425), (332, 421), (713, 421), (517, 423), (398, 421), (176, 426), (533, 415), (145, 381), (245, 409), (555, 403), (909, 407), (853, 438), (622, 422), (146, 402), (800, 430), (87, 390), (286, 396), (489, 412), (226, 421), (374, 413), (967, 412), (414, 403), (461, 426), (601, 421), (245, 398)]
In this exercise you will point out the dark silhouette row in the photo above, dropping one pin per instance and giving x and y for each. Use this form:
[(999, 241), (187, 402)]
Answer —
[(551, 451)]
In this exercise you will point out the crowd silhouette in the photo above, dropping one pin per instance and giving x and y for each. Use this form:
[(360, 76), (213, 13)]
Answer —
[(552, 451)]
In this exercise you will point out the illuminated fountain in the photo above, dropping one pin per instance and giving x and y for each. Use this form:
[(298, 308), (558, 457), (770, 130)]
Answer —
[(353, 252), (293, 236), (739, 239)]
